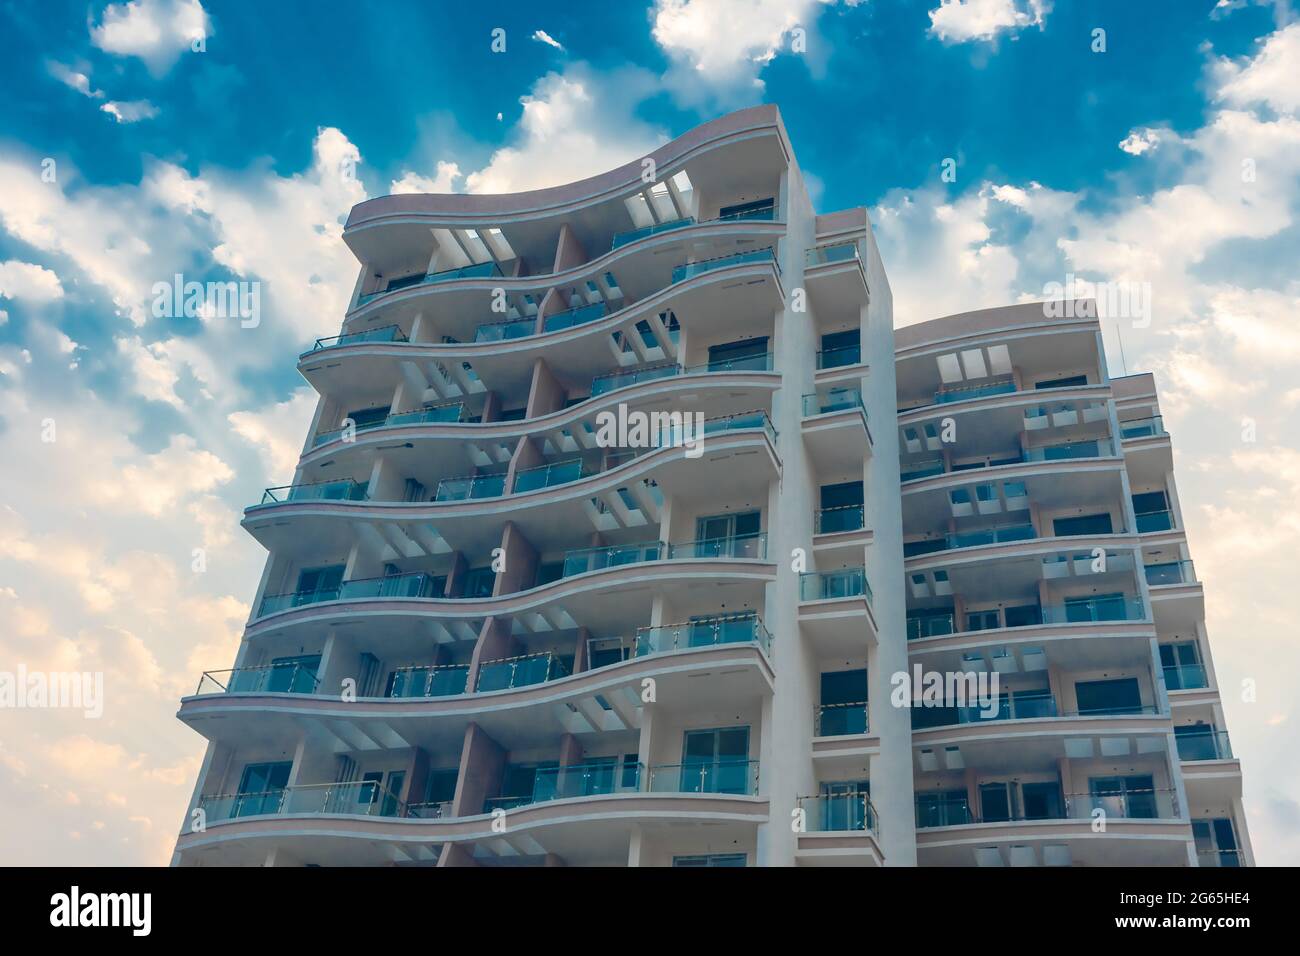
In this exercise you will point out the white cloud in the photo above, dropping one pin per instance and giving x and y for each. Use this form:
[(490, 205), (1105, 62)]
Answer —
[(958, 21), (74, 78), (719, 47), (541, 36), (24, 280), (156, 31), (1139, 141), (1268, 77), (131, 111), (278, 431), (444, 181), (574, 125)]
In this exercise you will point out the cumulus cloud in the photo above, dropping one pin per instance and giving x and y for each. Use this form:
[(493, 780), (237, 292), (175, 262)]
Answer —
[(1139, 141), (541, 36), (74, 79), (155, 31), (277, 432), (1269, 77), (132, 111), (25, 280), (960, 21), (444, 181)]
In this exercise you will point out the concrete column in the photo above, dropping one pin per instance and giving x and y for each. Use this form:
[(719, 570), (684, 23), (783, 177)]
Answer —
[(494, 642), (482, 761), (520, 569), (545, 393)]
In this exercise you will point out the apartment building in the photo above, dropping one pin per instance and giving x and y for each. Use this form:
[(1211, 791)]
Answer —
[(514, 612), (1044, 543)]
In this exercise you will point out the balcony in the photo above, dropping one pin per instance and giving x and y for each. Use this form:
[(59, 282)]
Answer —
[(840, 829), (840, 357), (340, 489), (1086, 611), (1020, 706), (423, 680), (970, 539), (737, 776), (449, 413), (839, 520), (522, 671), (689, 270), (470, 487), (356, 799), (385, 333), (1151, 521), (1203, 745), (1169, 573), (835, 400), (739, 628), (547, 476), (633, 235), (1153, 427), (834, 585), (285, 678), (965, 393), (504, 331), (574, 317), (481, 270), (577, 780), (1185, 677), (840, 720), (831, 253), (415, 584), (1150, 804), (1219, 858), (612, 381), (1065, 451)]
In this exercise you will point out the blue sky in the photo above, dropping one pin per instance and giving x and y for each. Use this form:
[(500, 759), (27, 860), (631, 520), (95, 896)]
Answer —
[(207, 138)]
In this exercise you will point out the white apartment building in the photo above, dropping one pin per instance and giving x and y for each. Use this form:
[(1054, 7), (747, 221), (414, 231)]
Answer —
[(597, 554)]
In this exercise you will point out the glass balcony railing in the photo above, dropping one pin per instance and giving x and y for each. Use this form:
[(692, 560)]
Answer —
[(835, 400), (832, 585), (750, 546), (688, 270), (386, 333), (1093, 448), (1170, 572), (1093, 610), (1203, 745), (1185, 677), (547, 476), (502, 331), (431, 810), (832, 252), (340, 489), (613, 381), (613, 556), (596, 778), (842, 518), (733, 775), (931, 625), (427, 680), (291, 677), (948, 813), (839, 720), (481, 270), (839, 357), (1145, 804), (1026, 705), (522, 671), (632, 235), (703, 632), (574, 317), (438, 414), (1219, 858), (962, 393), (916, 470), (1143, 427), (471, 486), (1155, 521), (970, 539), (359, 798), (839, 812), (410, 585)]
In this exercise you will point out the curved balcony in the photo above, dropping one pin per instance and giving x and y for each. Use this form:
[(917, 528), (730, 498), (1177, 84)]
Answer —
[(835, 428), (1009, 410), (1012, 540), (1139, 828), (309, 522), (522, 701), (724, 292), (583, 814), (843, 745)]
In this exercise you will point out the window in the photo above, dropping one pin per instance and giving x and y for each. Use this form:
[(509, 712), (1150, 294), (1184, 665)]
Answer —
[(1042, 801), (1068, 382), (1216, 842), (729, 535), (942, 808), (982, 621), (1119, 696), (478, 582), (261, 788), (995, 802), (757, 209), (1082, 524), (1132, 797), (715, 859), (1024, 615), (716, 761), (365, 417), (1182, 666), (320, 581), (734, 354)]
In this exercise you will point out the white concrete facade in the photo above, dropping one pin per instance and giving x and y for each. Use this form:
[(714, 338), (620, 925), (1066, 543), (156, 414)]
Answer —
[(490, 631)]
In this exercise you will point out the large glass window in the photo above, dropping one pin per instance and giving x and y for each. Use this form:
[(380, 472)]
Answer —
[(716, 761), (1119, 696)]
